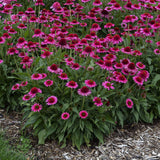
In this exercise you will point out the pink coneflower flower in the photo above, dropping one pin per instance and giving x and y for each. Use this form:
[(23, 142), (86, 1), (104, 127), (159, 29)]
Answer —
[(108, 65), (62, 42), (136, 53), (155, 26), (88, 37), (30, 11), (8, 7), (39, 2), (2, 40), (53, 68), (95, 27), (127, 50), (7, 28), (34, 91), (69, 60), (48, 83), (126, 72), (68, 2), (101, 50), (84, 1), (93, 34), (157, 51), (116, 39), (21, 26), (140, 65), (108, 25), (51, 100), (98, 101), (59, 10), (26, 60), (122, 79), (136, 6), (24, 83), (16, 86), (37, 33), (12, 51), (55, 5), (63, 76), (44, 75), (33, 19), (129, 103), (90, 83), (50, 40), (118, 66), (97, 3), (36, 107), (146, 31), (107, 85), (97, 44), (83, 24), (21, 42), (6, 36), (65, 115), (128, 6), (100, 63), (83, 42), (84, 91), (72, 84), (74, 22), (143, 74), (157, 7), (36, 76), (46, 54), (26, 97), (116, 6), (75, 66), (1, 61), (138, 80), (131, 67), (158, 43), (83, 114)]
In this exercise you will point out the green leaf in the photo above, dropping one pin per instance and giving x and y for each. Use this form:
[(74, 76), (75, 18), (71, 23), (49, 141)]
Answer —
[(158, 107), (156, 79), (120, 117), (60, 137), (136, 115), (51, 129), (81, 124), (75, 110), (88, 125), (99, 135), (149, 60), (65, 106), (37, 123), (31, 120), (42, 136)]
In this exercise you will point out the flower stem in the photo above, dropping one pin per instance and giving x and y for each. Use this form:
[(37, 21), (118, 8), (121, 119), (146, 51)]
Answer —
[(83, 101)]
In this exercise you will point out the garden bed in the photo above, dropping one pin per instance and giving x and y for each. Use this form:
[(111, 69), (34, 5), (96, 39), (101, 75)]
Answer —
[(77, 70)]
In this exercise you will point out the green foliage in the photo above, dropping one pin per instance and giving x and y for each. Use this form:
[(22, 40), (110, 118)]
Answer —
[(8, 100), (7, 152)]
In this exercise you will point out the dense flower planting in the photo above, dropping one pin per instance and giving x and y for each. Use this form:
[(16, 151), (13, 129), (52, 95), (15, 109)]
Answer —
[(82, 67)]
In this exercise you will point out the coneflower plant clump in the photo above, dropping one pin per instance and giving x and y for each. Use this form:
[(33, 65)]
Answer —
[(82, 67)]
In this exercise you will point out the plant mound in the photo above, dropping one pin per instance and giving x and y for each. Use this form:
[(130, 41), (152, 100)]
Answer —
[(81, 67)]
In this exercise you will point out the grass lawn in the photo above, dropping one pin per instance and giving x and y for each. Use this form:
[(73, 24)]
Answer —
[(7, 152)]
